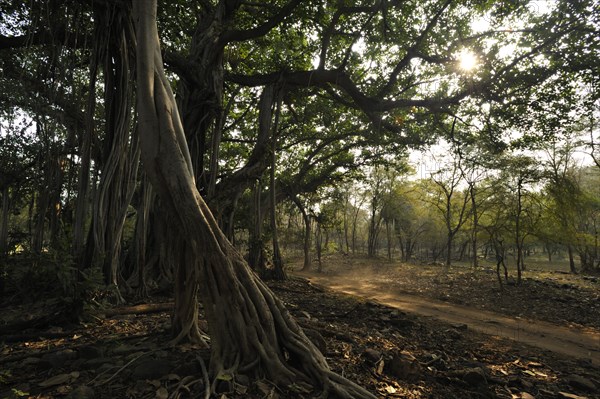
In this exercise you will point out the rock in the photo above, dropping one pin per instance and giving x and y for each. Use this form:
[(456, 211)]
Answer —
[(371, 356), (58, 359), (224, 386), (402, 323), (526, 395), (242, 379), (31, 361), (152, 369), (90, 352), (475, 377), (81, 392), (577, 381), (124, 349), (94, 364), (403, 365), (453, 334), (436, 361)]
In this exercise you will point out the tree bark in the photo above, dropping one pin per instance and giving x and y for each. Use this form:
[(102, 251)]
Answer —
[(251, 332), (278, 272), (4, 221), (4, 238), (307, 233)]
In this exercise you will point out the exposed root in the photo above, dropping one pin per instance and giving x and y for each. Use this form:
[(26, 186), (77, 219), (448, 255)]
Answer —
[(207, 383)]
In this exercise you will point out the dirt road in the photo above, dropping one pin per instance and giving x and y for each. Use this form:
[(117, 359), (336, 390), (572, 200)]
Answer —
[(571, 341)]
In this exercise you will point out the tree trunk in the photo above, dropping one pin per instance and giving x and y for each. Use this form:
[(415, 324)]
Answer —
[(346, 237), (83, 181), (572, 267), (307, 233), (388, 230), (251, 332), (4, 238), (4, 221), (120, 151), (449, 240), (278, 272), (475, 229), (141, 236), (256, 249), (319, 246)]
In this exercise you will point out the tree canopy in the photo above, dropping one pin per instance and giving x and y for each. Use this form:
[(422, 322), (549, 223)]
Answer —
[(154, 143)]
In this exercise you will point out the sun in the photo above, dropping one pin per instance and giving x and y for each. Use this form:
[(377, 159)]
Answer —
[(467, 60)]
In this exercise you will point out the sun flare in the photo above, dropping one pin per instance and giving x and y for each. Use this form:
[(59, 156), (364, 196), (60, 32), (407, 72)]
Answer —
[(467, 60)]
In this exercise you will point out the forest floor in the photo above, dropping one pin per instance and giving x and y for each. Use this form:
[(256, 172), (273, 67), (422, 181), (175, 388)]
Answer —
[(396, 353)]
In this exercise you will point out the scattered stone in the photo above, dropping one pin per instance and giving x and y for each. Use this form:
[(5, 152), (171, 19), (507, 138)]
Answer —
[(31, 361), (81, 392), (436, 361), (224, 386), (152, 369), (94, 364), (453, 334), (371, 356), (475, 377), (90, 352), (242, 379), (404, 366), (577, 381), (124, 349), (402, 323), (59, 379), (58, 359), (188, 368)]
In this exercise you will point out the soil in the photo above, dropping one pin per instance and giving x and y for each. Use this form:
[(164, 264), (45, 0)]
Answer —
[(125, 352)]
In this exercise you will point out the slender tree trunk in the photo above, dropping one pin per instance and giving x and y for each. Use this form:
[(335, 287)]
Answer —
[(475, 229), (56, 180), (251, 332), (4, 222), (4, 238), (572, 267), (307, 233), (141, 236), (518, 233), (37, 241), (388, 230), (346, 237), (319, 246)]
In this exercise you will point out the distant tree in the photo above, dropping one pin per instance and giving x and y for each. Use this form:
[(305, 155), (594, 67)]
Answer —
[(451, 202), (518, 173)]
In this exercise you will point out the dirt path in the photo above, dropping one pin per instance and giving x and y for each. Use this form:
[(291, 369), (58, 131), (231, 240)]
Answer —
[(572, 341)]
